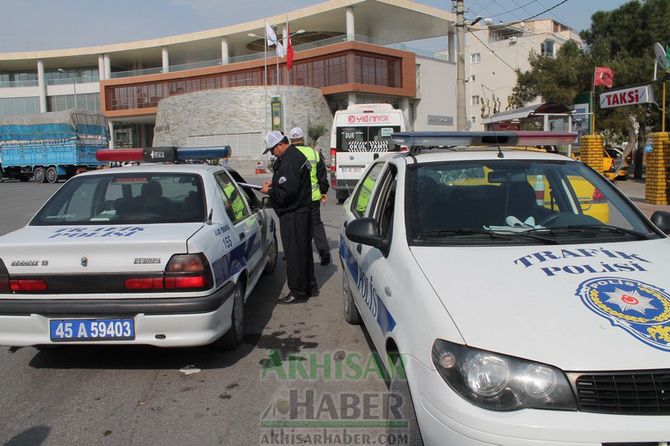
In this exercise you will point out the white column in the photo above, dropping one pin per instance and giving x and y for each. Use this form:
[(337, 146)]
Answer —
[(101, 67), (110, 124), (351, 98), (404, 106), (166, 59), (451, 44), (351, 32), (42, 84), (225, 52), (108, 67)]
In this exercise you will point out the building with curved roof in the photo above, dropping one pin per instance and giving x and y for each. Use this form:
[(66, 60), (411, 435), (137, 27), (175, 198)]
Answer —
[(351, 50)]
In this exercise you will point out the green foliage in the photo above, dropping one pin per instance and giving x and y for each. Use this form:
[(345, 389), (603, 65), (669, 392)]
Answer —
[(316, 131)]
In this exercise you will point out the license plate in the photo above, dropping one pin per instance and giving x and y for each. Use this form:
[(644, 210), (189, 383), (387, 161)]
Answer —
[(91, 329), (351, 169)]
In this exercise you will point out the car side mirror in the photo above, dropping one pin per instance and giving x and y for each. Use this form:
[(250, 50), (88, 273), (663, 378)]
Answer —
[(366, 232), (662, 220)]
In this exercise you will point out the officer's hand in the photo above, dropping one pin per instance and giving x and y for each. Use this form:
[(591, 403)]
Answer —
[(324, 198), (266, 186)]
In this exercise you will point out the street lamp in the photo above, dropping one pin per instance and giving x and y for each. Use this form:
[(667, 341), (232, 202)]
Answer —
[(74, 85)]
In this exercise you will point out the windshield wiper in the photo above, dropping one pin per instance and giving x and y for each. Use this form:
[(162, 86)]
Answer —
[(587, 228), (507, 235)]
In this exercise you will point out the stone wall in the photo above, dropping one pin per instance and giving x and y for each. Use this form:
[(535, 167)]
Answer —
[(238, 117)]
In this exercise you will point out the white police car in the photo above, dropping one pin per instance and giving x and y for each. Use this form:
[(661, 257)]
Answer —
[(157, 254), (520, 318)]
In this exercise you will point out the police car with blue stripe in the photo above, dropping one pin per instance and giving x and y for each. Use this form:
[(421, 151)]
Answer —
[(156, 254), (517, 313)]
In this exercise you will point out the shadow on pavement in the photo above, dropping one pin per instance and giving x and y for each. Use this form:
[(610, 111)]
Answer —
[(30, 437)]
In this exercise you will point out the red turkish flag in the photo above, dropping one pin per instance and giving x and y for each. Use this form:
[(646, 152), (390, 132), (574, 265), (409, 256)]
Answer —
[(603, 76), (289, 50)]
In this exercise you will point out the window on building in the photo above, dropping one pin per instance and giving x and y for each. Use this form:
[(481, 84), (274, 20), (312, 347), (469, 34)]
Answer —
[(472, 78), (475, 100), (85, 101), (547, 48), (19, 106), (473, 119), (475, 58)]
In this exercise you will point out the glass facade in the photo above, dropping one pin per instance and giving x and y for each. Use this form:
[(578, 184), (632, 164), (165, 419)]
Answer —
[(18, 79), (85, 101), (334, 69), (82, 75), (19, 106)]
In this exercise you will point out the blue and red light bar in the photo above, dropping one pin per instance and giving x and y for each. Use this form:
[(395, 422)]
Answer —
[(163, 154), (452, 139)]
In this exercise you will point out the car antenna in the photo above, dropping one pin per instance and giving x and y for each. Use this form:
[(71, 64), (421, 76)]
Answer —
[(500, 153), (209, 217)]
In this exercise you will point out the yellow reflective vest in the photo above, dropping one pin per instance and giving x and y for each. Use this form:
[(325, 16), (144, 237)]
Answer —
[(313, 158), (236, 204)]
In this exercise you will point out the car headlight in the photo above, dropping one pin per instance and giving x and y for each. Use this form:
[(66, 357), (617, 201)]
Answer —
[(500, 382)]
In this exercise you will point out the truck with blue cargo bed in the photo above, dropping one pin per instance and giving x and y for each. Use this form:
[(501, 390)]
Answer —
[(51, 146)]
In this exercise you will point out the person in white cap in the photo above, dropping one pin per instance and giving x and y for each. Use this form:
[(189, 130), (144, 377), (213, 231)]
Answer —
[(319, 179), (290, 194)]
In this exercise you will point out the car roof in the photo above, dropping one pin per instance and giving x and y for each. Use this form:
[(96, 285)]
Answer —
[(481, 154), (198, 169)]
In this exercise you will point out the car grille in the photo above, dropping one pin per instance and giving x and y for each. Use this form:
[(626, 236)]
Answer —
[(640, 393)]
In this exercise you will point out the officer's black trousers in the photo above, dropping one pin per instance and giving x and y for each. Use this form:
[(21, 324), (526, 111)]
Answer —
[(319, 231), (296, 237)]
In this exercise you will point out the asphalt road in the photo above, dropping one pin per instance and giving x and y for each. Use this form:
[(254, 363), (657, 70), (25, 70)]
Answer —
[(137, 396)]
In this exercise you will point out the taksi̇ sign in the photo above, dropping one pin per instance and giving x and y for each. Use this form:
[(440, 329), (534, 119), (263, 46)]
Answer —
[(627, 96)]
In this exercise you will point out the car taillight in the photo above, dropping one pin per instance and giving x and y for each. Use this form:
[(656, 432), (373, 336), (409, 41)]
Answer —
[(598, 197), (27, 285), (187, 271), (4, 278), (144, 283), (404, 148), (333, 159)]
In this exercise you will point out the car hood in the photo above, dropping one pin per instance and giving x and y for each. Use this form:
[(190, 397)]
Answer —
[(578, 307), (94, 249)]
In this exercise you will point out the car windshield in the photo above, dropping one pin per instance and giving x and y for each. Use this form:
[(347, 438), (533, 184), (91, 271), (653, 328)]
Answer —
[(517, 202), (126, 198)]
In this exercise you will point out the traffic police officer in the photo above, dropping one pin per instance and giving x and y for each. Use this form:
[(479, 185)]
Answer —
[(290, 194), (319, 179)]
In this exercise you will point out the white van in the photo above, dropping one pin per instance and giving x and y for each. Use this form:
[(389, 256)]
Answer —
[(360, 134)]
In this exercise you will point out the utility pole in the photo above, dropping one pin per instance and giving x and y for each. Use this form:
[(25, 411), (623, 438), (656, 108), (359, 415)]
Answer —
[(460, 67)]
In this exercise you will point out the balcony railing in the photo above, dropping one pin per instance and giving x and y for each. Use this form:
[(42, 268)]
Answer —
[(13, 84)]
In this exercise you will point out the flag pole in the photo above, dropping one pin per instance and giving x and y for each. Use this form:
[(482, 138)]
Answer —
[(265, 76), (288, 78), (593, 102)]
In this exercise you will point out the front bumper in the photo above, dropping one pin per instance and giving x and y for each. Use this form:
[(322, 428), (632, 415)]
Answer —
[(447, 419), (162, 322)]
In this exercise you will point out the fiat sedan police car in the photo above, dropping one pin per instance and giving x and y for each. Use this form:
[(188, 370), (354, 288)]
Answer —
[(517, 317), (155, 254)]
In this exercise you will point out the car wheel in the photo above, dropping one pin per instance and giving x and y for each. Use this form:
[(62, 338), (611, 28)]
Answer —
[(233, 337), (52, 175), (399, 390), (273, 254), (39, 175), (351, 313)]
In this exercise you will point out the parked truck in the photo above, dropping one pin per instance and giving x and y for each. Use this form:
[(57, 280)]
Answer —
[(51, 146)]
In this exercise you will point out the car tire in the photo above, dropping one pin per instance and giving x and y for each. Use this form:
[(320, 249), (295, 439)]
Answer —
[(233, 337), (52, 175), (351, 314), (273, 254), (399, 388), (39, 175)]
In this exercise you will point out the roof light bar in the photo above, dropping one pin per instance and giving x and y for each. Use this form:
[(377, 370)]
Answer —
[(163, 154), (451, 139)]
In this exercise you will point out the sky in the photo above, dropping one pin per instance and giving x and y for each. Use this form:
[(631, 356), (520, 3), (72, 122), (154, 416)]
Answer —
[(30, 25)]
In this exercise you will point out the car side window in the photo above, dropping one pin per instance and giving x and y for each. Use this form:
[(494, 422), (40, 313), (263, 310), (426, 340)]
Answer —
[(234, 203), (385, 202), (361, 201), (252, 199)]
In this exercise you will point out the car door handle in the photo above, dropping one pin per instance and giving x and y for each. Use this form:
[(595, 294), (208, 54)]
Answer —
[(359, 248), (345, 223), (242, 236)]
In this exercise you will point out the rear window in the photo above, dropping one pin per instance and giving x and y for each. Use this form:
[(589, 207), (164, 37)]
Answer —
[(126, 199), (367, 139)]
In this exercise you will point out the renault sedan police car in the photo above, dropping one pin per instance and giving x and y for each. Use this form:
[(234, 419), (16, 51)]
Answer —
[(157, 254), (517, 317)]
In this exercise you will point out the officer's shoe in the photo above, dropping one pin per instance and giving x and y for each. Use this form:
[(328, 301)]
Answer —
[(290, 298), (325, 258)]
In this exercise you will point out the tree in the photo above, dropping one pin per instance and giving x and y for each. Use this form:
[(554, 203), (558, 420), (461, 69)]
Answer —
[(316, 131)]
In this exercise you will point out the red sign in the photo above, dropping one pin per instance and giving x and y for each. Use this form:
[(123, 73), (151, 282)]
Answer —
[(627, 96), (368, 119)]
